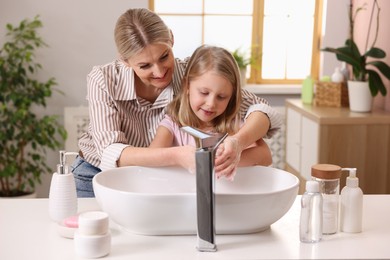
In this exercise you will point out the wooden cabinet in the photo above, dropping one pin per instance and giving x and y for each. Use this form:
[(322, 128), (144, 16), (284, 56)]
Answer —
[(301, 142), (339, 136)]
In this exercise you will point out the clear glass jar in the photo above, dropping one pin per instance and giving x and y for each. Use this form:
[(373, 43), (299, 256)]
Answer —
[(328, 177)]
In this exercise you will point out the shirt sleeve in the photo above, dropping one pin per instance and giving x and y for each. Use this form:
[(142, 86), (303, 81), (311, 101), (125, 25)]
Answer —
[(111, 156), (180, 138), (168, 124), (253, 103), (107, 135)]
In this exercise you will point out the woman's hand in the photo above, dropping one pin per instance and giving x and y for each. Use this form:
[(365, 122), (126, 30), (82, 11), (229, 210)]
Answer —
[(227, 158)]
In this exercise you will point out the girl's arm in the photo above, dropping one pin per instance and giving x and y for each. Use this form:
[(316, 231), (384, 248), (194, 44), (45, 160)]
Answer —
[(163, 138)]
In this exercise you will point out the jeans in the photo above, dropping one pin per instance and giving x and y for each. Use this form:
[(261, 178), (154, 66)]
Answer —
[(83, 173)]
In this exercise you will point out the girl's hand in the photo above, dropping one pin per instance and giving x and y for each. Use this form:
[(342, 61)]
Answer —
[(227, 158)]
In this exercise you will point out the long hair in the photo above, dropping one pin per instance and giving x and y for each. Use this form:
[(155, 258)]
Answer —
[(219, 60), (137, 28)]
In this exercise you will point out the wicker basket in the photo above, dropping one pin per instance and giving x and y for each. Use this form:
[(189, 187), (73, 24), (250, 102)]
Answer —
[(330, 94)]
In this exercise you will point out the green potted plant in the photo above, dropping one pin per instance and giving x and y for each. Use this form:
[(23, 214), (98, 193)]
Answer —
[(243, 61), (24, 135), (366, 67)]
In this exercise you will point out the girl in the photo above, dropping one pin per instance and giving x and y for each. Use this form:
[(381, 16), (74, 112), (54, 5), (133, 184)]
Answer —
[(209, 100)]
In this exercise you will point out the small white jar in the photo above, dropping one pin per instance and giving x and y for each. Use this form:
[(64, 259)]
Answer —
[(93, 223), (93, 238), (88, 246)]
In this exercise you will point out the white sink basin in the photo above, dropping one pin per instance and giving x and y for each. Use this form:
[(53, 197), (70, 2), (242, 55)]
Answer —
[(162, 201)]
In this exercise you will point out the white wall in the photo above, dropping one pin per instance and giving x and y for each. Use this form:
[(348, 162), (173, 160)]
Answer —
[(80, 35), (334, 32)]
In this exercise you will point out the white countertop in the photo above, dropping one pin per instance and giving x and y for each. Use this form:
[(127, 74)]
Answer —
[(26, 232)]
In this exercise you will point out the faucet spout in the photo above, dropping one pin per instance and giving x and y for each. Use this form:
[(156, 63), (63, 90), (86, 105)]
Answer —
[(205, 182), (204, 140)]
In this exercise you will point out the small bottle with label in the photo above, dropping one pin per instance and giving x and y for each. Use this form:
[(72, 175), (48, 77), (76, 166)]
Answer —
[(310, 229), (351, 206)]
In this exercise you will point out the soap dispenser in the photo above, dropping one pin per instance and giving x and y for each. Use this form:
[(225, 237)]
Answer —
[(351, 210), (62, 195)]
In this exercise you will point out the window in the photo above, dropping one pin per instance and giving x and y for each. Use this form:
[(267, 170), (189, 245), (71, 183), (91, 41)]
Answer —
[(281, 36)]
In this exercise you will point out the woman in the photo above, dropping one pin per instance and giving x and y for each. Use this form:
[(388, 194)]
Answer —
[(128, 98)]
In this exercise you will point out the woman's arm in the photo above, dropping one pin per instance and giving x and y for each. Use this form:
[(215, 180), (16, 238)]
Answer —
[(160, 153), (255, 127), (183, 156), (261, 120), (253, 103), (258, 154)]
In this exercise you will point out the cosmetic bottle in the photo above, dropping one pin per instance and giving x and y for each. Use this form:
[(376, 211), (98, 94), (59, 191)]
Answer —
[(328, 177), (62, 195), (307, 90), (337, 76), (310, 229), (351, 206), (345, 71)]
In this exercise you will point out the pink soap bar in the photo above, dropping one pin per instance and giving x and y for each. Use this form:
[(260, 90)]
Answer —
[(72, 222)]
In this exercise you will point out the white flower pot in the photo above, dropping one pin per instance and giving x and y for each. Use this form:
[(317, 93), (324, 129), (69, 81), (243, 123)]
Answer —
[(360, 98), (243, 77)]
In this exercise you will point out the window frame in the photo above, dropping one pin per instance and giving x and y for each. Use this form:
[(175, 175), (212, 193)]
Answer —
[(257, 43)]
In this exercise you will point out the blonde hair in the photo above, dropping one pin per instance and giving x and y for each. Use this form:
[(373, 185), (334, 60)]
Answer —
[(209, 58), (137, 28)]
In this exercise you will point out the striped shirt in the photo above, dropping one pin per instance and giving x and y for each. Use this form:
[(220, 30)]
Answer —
[(118, 118)]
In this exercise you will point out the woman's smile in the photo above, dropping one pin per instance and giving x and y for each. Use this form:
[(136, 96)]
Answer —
[(154, 65)]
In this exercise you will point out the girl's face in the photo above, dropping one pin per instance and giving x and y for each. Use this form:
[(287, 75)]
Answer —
[(154, 65), (209, 95)]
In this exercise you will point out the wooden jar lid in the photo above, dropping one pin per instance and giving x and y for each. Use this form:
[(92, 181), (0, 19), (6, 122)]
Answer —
[(326, 171)]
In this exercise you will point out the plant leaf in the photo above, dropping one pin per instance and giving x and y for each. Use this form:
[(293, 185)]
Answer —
[(375, 83), (375, 53), (345, 54), (382, 67), (353, 47)]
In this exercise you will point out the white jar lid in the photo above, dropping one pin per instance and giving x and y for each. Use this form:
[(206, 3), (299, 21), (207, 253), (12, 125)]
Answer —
[(93, 223)]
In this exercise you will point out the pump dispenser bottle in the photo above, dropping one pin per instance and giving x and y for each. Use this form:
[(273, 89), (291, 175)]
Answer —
[(337, 76), (62, 195), (310, 229), (351, 206)]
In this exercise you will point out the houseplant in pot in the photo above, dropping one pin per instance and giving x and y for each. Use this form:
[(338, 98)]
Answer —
[(24, 135), (243, 61), (366, 67)]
